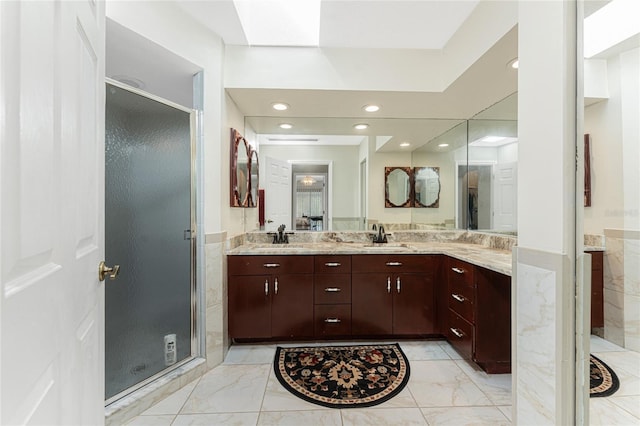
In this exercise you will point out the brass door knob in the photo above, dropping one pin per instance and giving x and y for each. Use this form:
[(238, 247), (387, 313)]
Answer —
[(105, 271)]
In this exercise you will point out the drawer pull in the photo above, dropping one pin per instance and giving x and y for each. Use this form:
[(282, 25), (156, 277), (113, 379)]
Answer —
[(458, 270), (398, 285), (332, 264), (332, 320), (276, 286), (388, 284), (458, 297), (266, 287), (394, 263), (271, 265), (457, 332), (332, 289)]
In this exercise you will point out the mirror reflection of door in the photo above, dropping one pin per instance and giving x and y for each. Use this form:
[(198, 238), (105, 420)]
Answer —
[(277, 206), (310, 201)]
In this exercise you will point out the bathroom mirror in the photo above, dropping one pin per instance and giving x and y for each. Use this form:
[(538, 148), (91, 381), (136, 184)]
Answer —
[(240, 169), (397, 187), (254, 178), (426, 187)]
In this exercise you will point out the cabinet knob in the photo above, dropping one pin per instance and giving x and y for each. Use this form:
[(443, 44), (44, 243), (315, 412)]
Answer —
[(394, 264), (332, 289), (266, 287), (271, 265), (388, 284), (457, 332), (398, 284), (275, 286), (332, 264), (332, 320), (458, 270)]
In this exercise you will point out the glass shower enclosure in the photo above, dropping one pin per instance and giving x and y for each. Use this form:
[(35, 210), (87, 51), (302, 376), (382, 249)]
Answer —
[(149, 223)]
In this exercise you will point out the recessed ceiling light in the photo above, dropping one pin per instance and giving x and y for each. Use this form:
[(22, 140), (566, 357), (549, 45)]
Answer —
[(443, 145), (360, 126), (286, 126), (405, 144), (371, 108), (280, 106), (513, 63)]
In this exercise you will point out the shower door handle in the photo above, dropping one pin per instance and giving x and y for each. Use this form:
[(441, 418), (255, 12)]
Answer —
[(104, 271)]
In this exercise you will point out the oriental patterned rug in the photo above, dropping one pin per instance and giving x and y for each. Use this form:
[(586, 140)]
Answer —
[(604, 381), (343, 376)]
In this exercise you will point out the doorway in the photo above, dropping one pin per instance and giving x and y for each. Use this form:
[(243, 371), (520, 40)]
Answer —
[(310, 197), (149, 223)]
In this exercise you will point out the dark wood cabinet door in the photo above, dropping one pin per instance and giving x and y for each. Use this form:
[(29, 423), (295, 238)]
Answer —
[(597, 289), (413, 304), (292, 305), (493, 321), (371, 304), (249, 307)]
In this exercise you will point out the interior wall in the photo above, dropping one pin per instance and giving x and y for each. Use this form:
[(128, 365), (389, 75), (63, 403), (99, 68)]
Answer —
[(376, 163), (445, 212), (345, 171), (236, 220)]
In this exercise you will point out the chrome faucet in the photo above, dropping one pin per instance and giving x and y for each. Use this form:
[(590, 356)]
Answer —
[(381, 237), (281, 237)]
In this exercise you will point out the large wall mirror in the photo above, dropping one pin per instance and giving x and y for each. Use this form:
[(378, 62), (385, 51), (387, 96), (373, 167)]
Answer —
[(460, 146)]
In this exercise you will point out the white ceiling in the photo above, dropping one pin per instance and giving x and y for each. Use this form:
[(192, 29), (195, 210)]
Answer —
[(389, 24)]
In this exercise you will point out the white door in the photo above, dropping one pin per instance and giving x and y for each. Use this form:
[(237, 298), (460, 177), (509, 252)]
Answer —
[(51, 205), (505, 199), (277, 208)]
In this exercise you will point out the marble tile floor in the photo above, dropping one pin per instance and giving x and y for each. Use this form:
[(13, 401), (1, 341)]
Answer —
[(443, 390)]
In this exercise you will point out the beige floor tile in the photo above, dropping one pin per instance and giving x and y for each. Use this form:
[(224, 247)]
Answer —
[(299, 418), (226, 419), (384, 416), (465, 416)]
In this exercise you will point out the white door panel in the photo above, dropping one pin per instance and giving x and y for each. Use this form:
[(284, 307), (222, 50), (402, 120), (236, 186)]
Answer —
[(51, 202), (277, 209), (506, 175)]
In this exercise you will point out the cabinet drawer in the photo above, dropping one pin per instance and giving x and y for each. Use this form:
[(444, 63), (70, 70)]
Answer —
[(332, 288), (332, 264), (460, 272), (259, 265), (392, 263), (332, 320), (460, 335), (462, 300)]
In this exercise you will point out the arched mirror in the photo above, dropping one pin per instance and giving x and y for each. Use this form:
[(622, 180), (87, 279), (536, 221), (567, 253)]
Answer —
[(426, 187), (240, 151), (397, 187), (254, 179)]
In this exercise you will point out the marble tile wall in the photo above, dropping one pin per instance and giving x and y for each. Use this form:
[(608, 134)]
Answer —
[(622, 288), (542, 340)]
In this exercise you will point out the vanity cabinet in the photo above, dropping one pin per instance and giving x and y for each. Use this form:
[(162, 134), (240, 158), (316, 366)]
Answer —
[(332, 296), (270, 297), (393, 294), (479, 303), (597, 289)]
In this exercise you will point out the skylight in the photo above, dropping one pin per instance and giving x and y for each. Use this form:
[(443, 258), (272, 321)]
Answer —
[(280, 22), (613, 23)]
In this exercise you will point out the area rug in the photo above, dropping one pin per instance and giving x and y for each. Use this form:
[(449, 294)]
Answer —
[(604, 381), (343, 376)]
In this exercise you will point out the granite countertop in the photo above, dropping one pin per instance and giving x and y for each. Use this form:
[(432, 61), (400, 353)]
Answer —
[(494, 259)]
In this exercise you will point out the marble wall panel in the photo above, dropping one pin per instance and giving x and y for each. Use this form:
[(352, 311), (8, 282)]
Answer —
[(542, 337), (622, 288)]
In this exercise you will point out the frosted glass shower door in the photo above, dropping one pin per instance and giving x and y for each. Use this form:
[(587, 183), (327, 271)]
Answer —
[(148, 218)]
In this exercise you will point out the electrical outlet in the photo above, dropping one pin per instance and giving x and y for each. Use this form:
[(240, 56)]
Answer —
[(170, 349)]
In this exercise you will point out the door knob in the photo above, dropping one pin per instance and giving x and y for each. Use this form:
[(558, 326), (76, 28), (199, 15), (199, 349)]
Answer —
[(269, 221), (105, 271)]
